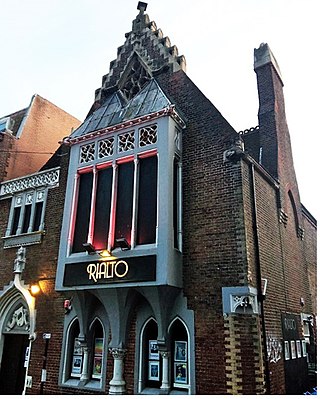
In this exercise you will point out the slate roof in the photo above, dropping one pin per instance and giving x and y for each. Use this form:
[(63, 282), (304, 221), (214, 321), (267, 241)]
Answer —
[(116, 110)]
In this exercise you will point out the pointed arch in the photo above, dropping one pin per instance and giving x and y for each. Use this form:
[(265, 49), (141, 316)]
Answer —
[(179, 337), (97, 343), (149, 357), (15, 326), (72, 334), (134, 77)]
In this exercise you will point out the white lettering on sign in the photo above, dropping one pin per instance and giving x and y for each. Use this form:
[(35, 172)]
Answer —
[(99, 270), (290, 324)]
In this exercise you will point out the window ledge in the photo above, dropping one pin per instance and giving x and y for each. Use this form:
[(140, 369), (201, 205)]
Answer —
[(76, 383), (157, 391), (23, 239)]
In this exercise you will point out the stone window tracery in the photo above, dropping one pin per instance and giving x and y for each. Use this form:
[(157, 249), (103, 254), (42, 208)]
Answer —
[(148, 135), (87, 153), (106, 147), (126, 142), (136, 78)]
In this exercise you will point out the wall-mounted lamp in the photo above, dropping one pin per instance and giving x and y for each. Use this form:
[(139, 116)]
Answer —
[(35, 289), (104, 253), (123, 244), (89, 248)]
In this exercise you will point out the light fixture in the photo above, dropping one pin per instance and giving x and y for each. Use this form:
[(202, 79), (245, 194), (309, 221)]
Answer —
[(123, 244), (35, 289), (104, 253), (89, 248)]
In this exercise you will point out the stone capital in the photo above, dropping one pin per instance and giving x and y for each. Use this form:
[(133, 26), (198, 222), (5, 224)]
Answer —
[(118, 353)]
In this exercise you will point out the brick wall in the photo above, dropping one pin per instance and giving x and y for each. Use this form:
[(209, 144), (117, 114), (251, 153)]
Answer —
[(310, 253), (215, 253), (6, 143), (45, 125)]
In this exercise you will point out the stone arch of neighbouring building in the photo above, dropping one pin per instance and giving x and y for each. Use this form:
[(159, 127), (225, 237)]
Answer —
[(15, 328)]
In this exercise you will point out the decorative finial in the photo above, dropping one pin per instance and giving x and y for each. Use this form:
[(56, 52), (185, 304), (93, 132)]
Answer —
[(142, 20), (142, 7)]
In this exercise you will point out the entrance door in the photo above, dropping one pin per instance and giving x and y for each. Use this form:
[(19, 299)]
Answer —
[(295, 365), (12, 373)]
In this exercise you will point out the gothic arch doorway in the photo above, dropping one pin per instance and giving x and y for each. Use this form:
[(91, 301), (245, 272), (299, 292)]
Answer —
[(14, 345)]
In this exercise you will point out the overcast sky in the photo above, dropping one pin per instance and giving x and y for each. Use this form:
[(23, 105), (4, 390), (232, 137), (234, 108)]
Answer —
[(60, 49)]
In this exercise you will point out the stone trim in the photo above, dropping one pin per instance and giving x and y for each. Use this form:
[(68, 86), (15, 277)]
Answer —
[(22, 239), (240, 300), (46, 178)]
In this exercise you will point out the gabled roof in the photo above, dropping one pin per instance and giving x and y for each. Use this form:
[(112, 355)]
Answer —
[(116, 110)]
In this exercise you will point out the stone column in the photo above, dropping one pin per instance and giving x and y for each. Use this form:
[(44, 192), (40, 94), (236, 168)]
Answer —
[(117, 384), (85, 371), (165, 371)]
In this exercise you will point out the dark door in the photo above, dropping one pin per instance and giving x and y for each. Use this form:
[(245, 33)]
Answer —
[(12, 372), (295, 365)]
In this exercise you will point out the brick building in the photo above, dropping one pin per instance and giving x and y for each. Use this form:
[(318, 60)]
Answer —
[(24, 147), (177, 257)]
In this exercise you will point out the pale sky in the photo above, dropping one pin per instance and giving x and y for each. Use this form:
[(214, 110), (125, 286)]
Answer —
[(60, 49)]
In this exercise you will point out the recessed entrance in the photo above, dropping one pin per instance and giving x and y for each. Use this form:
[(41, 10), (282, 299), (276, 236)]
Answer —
[(12, 373)]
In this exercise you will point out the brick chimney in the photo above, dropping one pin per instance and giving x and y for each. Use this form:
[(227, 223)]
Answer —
[(274, 133)]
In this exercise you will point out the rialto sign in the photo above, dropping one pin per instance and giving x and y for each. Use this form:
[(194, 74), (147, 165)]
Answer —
[(101, 270), (134, 269)]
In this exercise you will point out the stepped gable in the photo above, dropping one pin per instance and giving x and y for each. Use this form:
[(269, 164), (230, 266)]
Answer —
[(144, 54)]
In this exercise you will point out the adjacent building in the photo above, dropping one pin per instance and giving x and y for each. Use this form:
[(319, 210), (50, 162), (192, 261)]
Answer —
[(177, 257), (29, 137)]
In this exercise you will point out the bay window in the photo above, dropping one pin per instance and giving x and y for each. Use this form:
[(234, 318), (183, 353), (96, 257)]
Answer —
[(117, 198)]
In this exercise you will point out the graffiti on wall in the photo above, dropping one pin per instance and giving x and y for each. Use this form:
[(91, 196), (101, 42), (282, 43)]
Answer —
[(274, 349)]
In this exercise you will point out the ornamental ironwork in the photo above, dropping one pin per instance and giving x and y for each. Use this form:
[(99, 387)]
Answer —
[(148, 135)]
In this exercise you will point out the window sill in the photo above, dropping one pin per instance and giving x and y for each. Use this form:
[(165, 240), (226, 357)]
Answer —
[(157, 391), (89, 385), (23, 239)]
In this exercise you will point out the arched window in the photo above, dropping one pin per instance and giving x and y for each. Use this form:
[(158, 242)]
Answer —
[(97, 349), (75, 351), (151, 359), (180, 355)]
